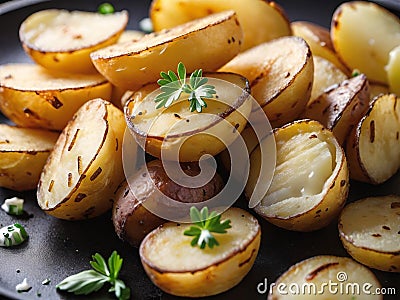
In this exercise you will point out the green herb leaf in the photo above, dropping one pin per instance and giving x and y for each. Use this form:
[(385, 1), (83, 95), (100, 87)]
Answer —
[(355, 73), (83, 283), (90, 281), (204, 225), (99, 264), (173, 85), (106, 8)]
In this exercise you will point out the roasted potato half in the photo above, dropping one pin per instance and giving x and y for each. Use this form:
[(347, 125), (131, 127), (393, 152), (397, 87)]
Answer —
[(319, 40), (180, 269), (62, 40), (32, 96), (252, 14), (341, 108), (84, 169), (373, 147), (369, 230), (182, 135), (132, 221), (326, 74), (363, 34), (280, 74), (131, 65), (313, 275), (311, 179), (23, 153)]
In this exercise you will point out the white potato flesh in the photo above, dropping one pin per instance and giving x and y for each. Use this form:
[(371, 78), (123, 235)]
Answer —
[(89, 151), (363, 34), (208, 132), (62, 40), (280, 74), (393, 70), (374, 148), (320, 276), (369, 229), (205, 44), (32, 96), (319, 40), (326, 74), (251, 14), (130, 35), (181, 269), (23, 153), (310, 181)]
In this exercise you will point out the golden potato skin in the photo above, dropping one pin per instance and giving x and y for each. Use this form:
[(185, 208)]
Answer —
[(133, 221), (89, 149), (23, 154), (225, 272), (368, 230), (75, 56), (132, 65), (34, 97), (280, 73), (330, 201)]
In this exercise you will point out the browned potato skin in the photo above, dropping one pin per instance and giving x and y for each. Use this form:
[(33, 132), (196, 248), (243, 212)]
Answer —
[(320, 42), (132, 221), (340, 108), (356, 166)]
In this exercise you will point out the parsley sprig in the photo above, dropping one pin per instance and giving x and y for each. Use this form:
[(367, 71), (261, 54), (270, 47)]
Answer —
[(173, 85), (204, 224), (90, 281)]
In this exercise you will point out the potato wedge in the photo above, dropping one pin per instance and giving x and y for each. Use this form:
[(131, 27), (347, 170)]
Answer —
[(133, 64), (324, 277), (23, 153), (180, 269), (182, 135), (252, 14), (340, 108), (132, 221), (319, 40), (32, 96), (280, 74), (363, 34), (62, 40), (326, 74), (393, 70), (311, 179), (89, 151), (369, 230), (373, 148)]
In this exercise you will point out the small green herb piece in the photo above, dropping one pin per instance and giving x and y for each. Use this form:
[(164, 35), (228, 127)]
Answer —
[(173, 85), (13, 206), (106, 8), (355, 73), (90, 281), (12, 235), (204, 225)]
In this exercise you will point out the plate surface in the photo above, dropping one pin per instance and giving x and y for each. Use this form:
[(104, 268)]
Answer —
[(59, 248)]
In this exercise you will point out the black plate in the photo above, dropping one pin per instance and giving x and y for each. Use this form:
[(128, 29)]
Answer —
[(59, 248)]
